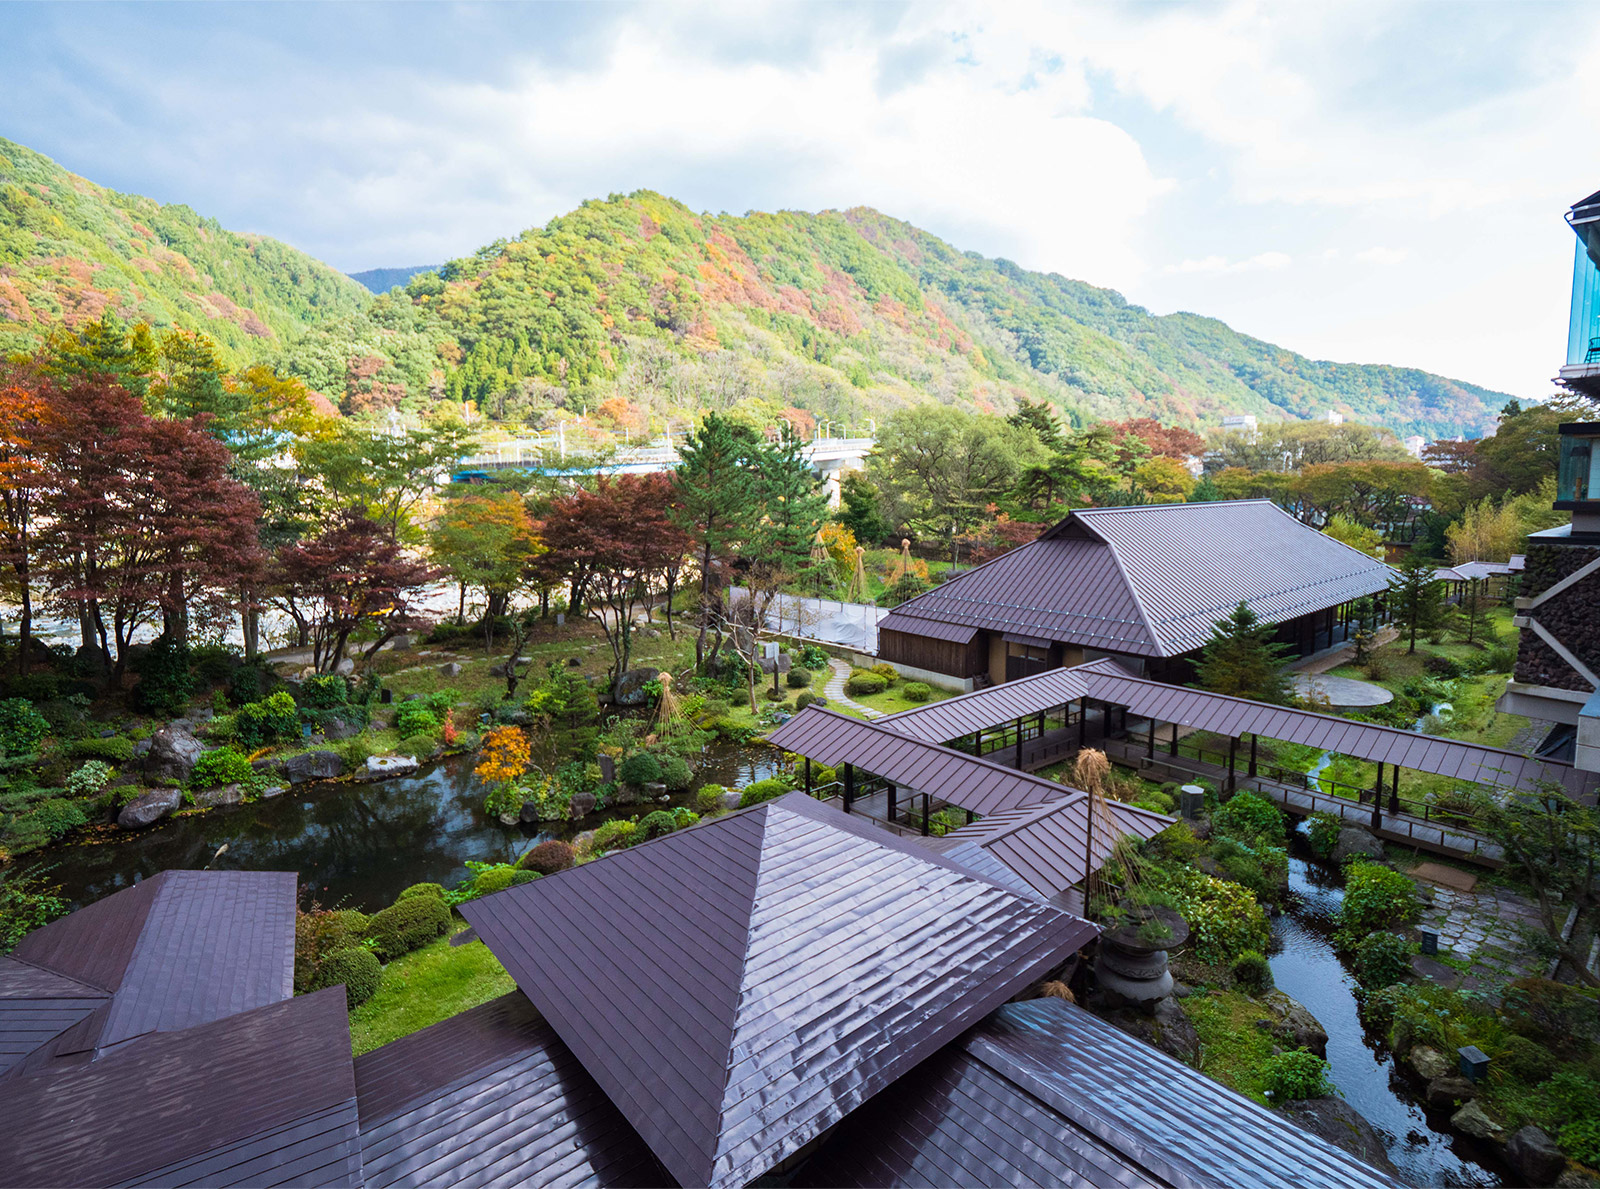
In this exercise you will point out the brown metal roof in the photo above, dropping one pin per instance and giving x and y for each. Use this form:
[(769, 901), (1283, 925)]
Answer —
[(1427, 753), (1044, 1093), (978, 785), (953, 718), (37, 1005), (1151, 580), (492, 1097), (265, 1097), (738, 988), (934, 629), (1045, 844), (176, 950)]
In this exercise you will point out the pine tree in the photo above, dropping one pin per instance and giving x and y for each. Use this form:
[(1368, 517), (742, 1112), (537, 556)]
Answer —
[(1242, 659), (1417, 598)]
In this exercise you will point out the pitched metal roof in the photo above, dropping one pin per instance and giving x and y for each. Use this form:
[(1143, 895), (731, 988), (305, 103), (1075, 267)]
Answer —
[(739, 987), (492, 1097), (1151, 580), (1046, 845), (953, 718), (1044, 1093), (264, 1097), (176, 950), (1427, 753), (969, 782)]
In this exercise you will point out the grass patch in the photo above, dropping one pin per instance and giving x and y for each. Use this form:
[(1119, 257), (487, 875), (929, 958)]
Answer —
[(893, 699), (1232, 1049), (426, 986)]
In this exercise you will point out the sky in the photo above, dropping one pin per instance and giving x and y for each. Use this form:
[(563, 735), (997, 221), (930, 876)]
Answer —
[(1377, 183)]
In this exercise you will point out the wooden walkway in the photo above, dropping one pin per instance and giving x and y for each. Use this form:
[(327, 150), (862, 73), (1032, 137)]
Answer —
[(1452, 841)]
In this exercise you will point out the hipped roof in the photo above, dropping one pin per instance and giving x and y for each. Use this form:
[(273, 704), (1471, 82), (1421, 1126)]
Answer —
[(738, 988), (1151, 580)]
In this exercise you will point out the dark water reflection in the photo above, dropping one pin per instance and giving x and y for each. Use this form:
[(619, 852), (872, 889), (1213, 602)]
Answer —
[(353, 845), (1307, 968)]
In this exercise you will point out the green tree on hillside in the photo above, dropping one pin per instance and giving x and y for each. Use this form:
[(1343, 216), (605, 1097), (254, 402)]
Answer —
[(717, 501), (1242, 659)]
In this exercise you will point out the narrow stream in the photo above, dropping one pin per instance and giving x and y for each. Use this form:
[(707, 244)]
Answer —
[(1307, 969), (353, 845)]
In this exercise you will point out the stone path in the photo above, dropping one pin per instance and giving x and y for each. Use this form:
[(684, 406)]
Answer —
[(1483, 927), (834, 690)]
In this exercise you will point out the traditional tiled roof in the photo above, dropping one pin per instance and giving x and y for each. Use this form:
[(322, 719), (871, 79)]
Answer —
[(1150, 580), (263, 1097), (1043, 1093), (176, 950), (738, 988), (492, 1097)]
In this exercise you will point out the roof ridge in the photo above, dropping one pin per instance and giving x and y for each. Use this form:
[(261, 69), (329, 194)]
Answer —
[(1153, 637), (1029, 814), (738, 982)]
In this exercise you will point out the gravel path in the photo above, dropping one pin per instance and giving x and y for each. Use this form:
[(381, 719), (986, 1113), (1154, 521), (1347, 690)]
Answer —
[(835, 690)]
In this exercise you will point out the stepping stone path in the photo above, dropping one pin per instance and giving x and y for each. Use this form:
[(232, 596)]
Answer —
[(1485, 927), (835, 690)]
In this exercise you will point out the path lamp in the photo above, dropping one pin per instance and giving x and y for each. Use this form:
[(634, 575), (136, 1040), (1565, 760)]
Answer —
[(1474, 1063)]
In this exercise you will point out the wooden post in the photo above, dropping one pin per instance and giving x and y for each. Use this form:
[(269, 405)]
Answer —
[(1174, 750), (849, 786), (925, 815), (971, 817), (977, 742), (1253, 738), (1233, 752), (1083, 722), (808, 776), (894, 799), (1019, 743), (1150, 741), (1394, 790), (1377, 800)]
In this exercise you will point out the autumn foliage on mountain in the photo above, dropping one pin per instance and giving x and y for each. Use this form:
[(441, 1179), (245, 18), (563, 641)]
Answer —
[(640, 310)]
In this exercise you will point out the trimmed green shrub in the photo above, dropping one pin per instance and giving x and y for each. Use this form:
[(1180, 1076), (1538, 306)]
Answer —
[(272, 720), (407, 925), (1375, 897), (421, 746), (57, 816), (1248, 815), (864, 682), (887, 671), (1296, 1075), (640, 768), (1322, 834), (21, 727), (812, 657), (798, 678), (762, 790), (548, 857), (1252, 972), (356, 967), (709, 798), (675, 773), (421, 889), (165, 682), (223, 765), (496, 879), (1382, 959), (655, 824), (614, 835), (415, 718), (88, 780), (115, 750), (806, 699), (326, 691), (917, 691)]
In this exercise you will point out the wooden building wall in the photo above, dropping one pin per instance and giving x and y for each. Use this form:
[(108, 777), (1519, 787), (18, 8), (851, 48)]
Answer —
[(938, 656)]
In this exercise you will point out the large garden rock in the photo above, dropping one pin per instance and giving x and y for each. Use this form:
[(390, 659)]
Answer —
[(630, 691), (783, 662), (149, 809), (1294, 1025), (173, 752), (1429, 1063), (1354, 841), (1473, 1120), (339, 728), (1335, 1120), (627, 794), (313, 765), (452, 669), (1535, 1155), (388, 767), (1449, 1090), (345, 668), (1167, 1028), (581, 805), (227, 794)]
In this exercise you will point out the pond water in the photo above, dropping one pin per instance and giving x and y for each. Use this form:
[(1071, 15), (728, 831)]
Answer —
[(353, 845), (1307, 968)]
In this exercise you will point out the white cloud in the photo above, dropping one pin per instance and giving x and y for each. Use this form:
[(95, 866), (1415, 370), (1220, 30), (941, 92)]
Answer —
[(1383, 255), (1221, 264)]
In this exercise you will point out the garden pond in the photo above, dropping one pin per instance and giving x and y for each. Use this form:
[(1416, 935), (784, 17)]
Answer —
[(353, 845)]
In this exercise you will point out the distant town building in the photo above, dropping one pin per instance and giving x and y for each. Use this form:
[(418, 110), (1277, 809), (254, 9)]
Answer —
[(1415, 445), (1241, 421), (1333, 417)]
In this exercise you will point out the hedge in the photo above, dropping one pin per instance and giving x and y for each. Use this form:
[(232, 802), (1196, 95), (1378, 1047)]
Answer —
[(115, 750), (761, 790), (356, 967), (864, 682), (421, 889), (917, 691), (548, 857), (639, 768), (407, 925)]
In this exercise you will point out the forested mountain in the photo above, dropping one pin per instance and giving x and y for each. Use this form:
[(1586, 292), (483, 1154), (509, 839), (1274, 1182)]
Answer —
[(381, 280), (642, 309), (71, 250)]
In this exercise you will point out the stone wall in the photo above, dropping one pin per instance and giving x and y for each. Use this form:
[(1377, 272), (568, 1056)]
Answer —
[(1571, 617)]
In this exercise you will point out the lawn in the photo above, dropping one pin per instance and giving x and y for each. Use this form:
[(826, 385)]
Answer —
[(1232, 1049), (894, 699), (426, 986)]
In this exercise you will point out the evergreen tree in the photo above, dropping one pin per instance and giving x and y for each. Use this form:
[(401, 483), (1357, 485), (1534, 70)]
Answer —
[(1417, 598), (793, 504), (1242, 659), (861, 509), (1205, 492)]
